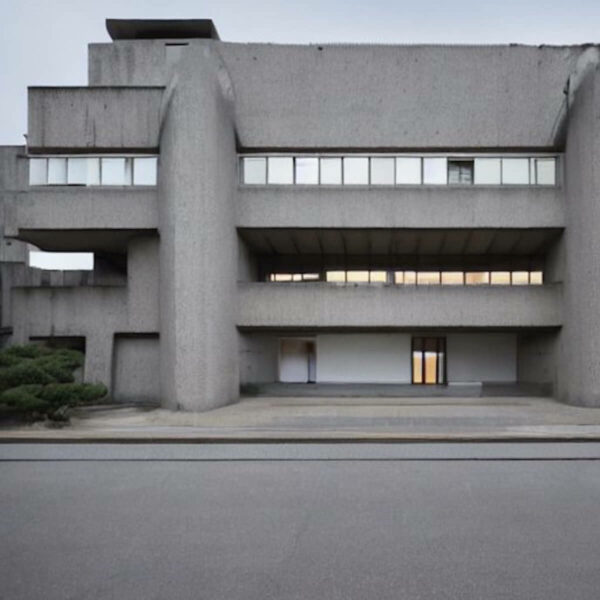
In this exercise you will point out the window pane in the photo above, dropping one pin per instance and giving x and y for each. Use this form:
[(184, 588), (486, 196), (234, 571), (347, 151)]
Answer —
[(477, 278), (356, 171), (378, 277), (382, 171), (358, 276), (331, 171), (281, 170), (37, 171), (487, 171), (428, 278), (310, 277), (93, 171), (452, 278), (546, 171), (417, 367), (410, 277), (460, 172), (435, 171), (255, 170), (536, 278), (520, 278), (57, 171), (77, 171), (113, 171), (399, 277), (408, 170), (144, 171), (500, 278), (283, 277), (515, 170), (336, 276), (307, 171)]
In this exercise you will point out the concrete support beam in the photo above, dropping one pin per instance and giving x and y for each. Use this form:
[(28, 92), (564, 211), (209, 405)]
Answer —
[(199, 247)]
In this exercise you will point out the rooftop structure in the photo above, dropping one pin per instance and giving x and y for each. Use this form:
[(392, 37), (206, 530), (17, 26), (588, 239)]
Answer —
[(407, 215)]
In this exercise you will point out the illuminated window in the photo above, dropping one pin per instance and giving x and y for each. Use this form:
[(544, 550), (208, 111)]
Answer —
[(398, 277), (545, 171), (336, 276), (428, 360), (520, 278), (144, 171), (477, 278), (410, 277), (500, 278), (378, 276), (283, 277), (453, 278), (428, 278), (113, 171), (357, 276), (536, 278)]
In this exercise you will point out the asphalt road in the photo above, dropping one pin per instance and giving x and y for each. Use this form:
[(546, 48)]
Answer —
[(460, 521)]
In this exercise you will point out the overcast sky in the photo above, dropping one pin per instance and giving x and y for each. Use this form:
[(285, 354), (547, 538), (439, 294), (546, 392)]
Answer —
[(43, 42)]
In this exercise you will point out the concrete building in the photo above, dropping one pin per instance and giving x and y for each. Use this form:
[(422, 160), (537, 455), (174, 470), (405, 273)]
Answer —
[(419, 215)]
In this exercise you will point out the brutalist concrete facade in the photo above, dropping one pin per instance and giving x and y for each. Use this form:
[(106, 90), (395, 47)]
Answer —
[(183, 309)]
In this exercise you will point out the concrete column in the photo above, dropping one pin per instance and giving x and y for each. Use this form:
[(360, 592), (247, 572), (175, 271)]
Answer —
[(579, 345), (198, 240)]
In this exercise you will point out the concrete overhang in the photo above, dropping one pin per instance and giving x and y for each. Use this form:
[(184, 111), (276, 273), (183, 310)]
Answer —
[(159, 29), (319, 305), (82, 240), (414, 242), (402, 207)]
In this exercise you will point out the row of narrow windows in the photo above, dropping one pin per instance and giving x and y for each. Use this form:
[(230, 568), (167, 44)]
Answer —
[(93, 170), (397, 170), (416, 277)]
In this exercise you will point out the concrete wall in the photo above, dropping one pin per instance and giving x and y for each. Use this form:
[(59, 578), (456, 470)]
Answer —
[(536, 357), (95, 119), (474, 357), (199, 245), (417, 207), (418, 96), (258, 358), (579, 344), (363, 358), (136, 371), (321, 305)]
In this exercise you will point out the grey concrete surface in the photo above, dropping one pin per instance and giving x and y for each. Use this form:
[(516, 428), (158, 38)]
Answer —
[(342, 529), (316, 305)]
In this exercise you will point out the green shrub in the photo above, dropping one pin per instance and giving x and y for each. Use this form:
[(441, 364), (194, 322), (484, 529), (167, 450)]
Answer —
[(21, 374), (72, 393), (25, 398), (27, 351), (8, 360)]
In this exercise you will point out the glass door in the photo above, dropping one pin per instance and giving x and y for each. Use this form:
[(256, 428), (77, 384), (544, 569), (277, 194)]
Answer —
[(428, 360)]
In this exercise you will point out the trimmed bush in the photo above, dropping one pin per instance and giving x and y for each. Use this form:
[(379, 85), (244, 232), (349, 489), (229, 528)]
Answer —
[(21, 374), (25, 398), (72, 394), (28, 351)]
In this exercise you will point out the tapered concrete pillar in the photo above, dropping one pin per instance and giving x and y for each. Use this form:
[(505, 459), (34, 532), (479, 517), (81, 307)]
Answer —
[(579, 347), (198, 241)]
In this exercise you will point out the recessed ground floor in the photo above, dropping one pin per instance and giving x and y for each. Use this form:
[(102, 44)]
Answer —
[(419, 358)]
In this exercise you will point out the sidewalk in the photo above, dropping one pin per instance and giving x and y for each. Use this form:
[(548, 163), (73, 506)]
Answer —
[(272, 419)]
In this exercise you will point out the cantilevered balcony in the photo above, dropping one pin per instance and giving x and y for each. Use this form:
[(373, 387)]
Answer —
[(322, 305)]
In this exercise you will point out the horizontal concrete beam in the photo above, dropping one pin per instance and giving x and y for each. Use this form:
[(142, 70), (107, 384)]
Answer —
[(409, 207), (85, 208), (313, 305), (108, 118)]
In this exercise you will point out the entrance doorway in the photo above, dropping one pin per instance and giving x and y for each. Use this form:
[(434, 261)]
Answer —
[(428, 360), (297, 360)]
